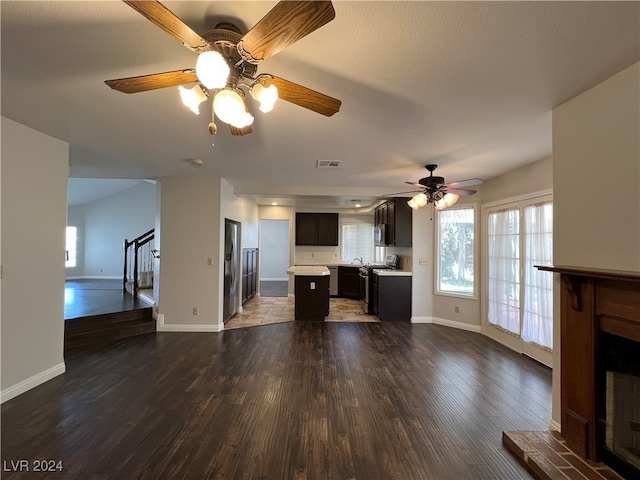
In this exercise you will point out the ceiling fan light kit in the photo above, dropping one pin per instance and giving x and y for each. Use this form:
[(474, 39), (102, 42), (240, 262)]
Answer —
[(434, 190), (227, 58)]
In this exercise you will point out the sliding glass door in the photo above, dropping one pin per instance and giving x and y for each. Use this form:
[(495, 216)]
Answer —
[(519, 297)]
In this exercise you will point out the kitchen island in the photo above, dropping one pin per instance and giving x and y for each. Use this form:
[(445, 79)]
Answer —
[(311, 289)]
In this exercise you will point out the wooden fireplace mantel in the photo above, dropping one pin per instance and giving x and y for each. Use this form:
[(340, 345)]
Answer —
[(592, 301)]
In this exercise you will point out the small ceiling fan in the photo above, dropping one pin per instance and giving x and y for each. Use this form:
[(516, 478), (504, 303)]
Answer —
[(434, 190), (227, 60)]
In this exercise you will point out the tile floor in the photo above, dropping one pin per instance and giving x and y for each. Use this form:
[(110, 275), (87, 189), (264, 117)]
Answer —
[(267, 310)]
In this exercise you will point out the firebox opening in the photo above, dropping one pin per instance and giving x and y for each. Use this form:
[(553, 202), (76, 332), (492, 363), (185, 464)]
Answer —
[(620, 404)]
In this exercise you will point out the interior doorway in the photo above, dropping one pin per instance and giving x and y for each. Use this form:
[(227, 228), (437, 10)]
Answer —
[(274, 258)]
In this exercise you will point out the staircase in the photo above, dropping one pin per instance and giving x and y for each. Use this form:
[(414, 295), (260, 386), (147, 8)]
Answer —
[(96, 332)]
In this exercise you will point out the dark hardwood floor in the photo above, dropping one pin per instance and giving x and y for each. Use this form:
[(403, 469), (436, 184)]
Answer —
[(88, 297), (296, 400)]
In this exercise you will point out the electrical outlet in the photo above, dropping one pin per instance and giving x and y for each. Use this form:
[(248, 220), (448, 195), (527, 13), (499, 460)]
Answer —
[(312, 286), (457, 308), (209, 261), (195, 310)]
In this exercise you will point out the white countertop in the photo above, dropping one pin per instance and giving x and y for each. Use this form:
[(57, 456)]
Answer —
[(388, 272), (309, 270), (330, 264)]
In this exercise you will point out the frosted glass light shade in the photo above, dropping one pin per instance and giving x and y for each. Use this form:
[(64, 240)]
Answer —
[(451, 198), (267, 96), (212, 70), (192, 97), (243, 121), (413, 204), (446, 201), (228, 106), (420, 199)]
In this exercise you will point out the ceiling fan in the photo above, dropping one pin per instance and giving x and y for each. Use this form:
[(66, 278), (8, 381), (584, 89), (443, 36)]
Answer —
[(434, 190), (227, 63)]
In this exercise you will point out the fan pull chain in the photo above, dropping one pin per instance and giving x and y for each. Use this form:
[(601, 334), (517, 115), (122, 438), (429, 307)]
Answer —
[(213, 128)]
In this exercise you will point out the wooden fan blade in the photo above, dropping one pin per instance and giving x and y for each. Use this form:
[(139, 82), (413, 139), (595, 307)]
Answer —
[(167, 21), (461, 191), (465, 183), (400, 193), (303, 96), (241, 131), (283, 25), (154, 81), (419, 185)]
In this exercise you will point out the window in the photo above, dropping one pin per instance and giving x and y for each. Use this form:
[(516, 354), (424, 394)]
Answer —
[(357, 241), (520, 297), (71, 252), (456, 251)]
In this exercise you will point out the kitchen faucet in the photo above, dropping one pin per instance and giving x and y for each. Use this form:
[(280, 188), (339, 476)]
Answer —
[(360, 260)]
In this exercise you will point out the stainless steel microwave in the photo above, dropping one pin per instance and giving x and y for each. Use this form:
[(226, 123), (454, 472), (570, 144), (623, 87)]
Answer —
[(380, 235)]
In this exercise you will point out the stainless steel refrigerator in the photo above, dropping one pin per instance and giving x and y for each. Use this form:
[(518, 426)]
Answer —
[(231, 268)]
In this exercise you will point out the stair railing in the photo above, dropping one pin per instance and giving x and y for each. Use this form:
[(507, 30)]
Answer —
[(142, 256)]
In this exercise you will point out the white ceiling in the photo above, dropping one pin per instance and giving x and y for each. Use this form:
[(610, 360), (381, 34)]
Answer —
[(467, 85)]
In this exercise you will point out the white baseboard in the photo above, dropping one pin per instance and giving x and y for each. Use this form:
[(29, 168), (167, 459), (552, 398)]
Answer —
[(262, 279), (555, 426), (175, 327), (29, 383), (447, 323)]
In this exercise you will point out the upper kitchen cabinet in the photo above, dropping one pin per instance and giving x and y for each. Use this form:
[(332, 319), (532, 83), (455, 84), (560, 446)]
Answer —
[(394, 219), (317, 229)]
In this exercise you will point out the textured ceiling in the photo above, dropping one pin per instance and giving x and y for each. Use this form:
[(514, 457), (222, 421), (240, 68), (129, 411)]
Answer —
[(467, 85)]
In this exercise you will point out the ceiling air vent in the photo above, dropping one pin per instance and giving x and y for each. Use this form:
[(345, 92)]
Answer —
[(327, 164)]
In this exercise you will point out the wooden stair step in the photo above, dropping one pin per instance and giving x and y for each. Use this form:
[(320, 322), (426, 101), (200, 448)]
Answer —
[(99, 331)]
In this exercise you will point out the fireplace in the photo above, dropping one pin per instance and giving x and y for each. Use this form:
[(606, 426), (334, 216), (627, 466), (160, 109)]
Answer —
[(619, 403), (600, 365)]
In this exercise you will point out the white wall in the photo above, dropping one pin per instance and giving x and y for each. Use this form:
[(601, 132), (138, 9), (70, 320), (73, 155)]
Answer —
[(240, 209), (191, 215), (245, 211), (596, 176), (422, 235), (109, 220), (190, 235), (34, 211), (596, 185)]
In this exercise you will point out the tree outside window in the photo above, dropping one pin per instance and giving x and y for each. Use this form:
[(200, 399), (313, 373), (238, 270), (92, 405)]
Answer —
[(456, 252)]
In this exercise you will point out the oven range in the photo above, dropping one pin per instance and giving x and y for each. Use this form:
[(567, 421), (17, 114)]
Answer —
[(391, 261)]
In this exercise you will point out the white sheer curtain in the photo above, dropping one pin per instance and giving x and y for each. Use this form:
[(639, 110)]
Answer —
[(504, 269), (537, 321)]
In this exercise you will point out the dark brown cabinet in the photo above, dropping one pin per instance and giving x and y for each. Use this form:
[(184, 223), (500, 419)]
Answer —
[(349, 284), (249, 273), (317, 229), (312, 297), (391, 297), (396, 217)]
